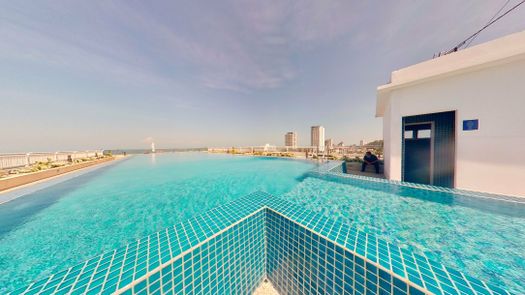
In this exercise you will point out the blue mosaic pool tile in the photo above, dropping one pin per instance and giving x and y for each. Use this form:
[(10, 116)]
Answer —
[(385, 259), (334, 168), (223, 251), (116, 269)]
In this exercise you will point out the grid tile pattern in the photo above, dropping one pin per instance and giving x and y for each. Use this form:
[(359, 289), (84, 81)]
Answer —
[(230, 263), (230, 249), (332, 165), (124, 268), (337, 171), (311, 241), (301, 262)]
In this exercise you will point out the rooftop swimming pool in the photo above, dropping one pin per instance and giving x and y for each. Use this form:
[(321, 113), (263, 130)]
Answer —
[(59, 226), (62, 225), (481, 237)]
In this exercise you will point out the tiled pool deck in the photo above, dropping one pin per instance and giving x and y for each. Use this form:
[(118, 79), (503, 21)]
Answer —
[(233, 248), (334, 168)]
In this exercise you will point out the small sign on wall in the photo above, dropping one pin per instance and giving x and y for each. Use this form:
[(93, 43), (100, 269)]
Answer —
[(469, 125)]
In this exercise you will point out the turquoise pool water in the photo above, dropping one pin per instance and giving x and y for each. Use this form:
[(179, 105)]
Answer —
[(482, 238), (60, 226)]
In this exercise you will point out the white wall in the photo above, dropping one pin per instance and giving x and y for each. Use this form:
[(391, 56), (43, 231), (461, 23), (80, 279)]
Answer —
[(18, 160), (491, 159)]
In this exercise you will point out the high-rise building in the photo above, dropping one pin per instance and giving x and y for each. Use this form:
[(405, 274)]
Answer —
[(362, 142), (290, 139), (152, 147), (329, 143), (317, 136)]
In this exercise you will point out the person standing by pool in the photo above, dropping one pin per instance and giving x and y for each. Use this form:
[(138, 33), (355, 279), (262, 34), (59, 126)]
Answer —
[(370, 159)]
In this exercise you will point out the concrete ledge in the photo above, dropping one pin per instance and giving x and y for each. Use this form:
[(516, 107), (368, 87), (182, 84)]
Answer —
[(19, 180), (355, 168)]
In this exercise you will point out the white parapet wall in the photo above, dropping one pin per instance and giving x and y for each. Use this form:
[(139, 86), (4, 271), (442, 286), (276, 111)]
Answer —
[(13, 160), (485, 82)]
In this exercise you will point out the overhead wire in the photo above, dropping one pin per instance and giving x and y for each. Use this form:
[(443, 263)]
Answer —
[(491, 21), (493, 17)]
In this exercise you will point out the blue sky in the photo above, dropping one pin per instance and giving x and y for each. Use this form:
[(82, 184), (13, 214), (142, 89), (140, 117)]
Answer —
[(118, 74)]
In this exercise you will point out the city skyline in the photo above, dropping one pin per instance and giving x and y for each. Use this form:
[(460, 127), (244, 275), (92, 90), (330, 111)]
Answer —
[(291, 138), (124, 74)]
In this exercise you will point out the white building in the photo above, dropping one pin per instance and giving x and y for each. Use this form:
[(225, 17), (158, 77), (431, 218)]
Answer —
[(290, 139), (153, 147), (459, 120), (362, 142), (317, 136)]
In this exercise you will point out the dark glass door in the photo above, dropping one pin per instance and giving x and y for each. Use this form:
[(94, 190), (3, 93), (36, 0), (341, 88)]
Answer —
[(418, 152)]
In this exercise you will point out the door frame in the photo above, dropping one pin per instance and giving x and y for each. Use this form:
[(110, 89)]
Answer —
[(432, 136)]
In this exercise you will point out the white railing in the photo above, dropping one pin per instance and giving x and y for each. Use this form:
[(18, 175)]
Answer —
[(20, 160)]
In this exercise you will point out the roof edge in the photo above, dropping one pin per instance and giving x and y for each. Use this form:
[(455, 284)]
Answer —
[(489, 54)]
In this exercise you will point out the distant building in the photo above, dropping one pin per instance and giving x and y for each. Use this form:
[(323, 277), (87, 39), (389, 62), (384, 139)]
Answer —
[(457, 120), (362, 142), (329, 143), (341, 144), (152, 147), (317, 136), (290, 139)]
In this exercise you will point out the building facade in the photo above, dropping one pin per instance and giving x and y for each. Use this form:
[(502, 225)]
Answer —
[(290, 139), (329, 144), (457, 120), (317, 136)]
